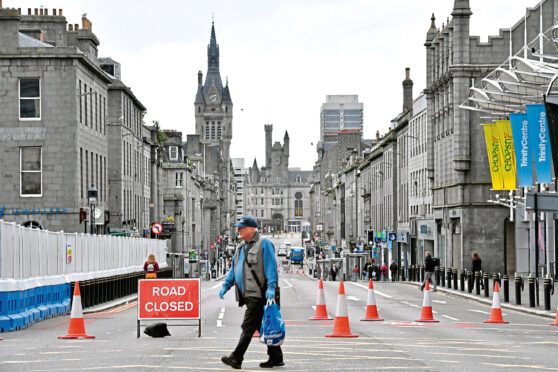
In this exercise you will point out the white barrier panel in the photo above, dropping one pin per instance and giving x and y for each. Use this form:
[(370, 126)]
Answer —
[(33, 255)]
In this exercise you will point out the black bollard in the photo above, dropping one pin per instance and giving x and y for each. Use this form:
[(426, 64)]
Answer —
[(421, 273), (448, 279), (506, 286), (462, 280), (477, 282), (455, 278), (486, 289), (547, 288), (531, 292), (437, 275), (412, 273), (495, 278), (470, 279), (442, 276), (518, 288)]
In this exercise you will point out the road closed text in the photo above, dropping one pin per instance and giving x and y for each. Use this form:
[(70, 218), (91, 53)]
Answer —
[(169, 299), (168, 306)]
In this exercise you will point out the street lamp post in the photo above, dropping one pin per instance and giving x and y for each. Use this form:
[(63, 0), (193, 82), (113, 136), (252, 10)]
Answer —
[(92, 197)]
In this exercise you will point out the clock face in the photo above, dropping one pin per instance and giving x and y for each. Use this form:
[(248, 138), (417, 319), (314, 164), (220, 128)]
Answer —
[(212, 98), (277, 160)]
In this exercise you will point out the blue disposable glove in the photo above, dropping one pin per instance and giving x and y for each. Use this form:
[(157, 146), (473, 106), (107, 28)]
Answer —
[(222, 292), (270, 293)]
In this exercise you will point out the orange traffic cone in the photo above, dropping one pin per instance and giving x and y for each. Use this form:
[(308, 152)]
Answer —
[(77, 325), (321, 311), (341, 324), (371, 309), (556, 321), (256, 334), (426, 314), (496, 311)]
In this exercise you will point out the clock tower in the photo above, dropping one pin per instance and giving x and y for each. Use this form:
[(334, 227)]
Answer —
[(213, 103)]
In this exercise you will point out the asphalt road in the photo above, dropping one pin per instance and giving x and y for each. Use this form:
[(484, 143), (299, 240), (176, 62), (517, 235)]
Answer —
[(459, 342)]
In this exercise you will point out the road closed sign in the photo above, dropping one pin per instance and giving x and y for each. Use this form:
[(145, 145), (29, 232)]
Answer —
[(169, 299)]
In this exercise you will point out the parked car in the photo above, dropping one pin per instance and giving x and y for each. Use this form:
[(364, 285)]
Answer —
[(282, 251)]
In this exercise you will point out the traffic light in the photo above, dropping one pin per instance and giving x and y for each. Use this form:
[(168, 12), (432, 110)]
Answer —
[(370, 234), (219, 240), (82, 215)]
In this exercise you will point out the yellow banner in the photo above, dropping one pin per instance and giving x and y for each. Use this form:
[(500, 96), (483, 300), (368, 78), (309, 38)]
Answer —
[(508, 154), (494, 155)]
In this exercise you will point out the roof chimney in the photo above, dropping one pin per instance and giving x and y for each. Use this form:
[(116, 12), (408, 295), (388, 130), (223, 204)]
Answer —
[(377, 134), (46, 11), (407, 91), (76, 27), (70, 27), (36, 11), (53, 11), (86, 23), (200, 77), (60, 12), (28, 11)]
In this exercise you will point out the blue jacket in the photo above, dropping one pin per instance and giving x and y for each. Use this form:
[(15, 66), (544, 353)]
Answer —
[(236, 273)]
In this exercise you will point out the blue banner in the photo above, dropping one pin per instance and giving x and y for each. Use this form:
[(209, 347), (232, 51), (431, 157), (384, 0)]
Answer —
[(539, 141), (523, 149)]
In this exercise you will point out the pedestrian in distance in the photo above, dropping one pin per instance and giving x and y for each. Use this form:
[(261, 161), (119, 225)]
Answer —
[(355, 273), (333, 272), (150, 267), (384, 271), (393, 268), (477, 267), (429, 272), (253, 274)]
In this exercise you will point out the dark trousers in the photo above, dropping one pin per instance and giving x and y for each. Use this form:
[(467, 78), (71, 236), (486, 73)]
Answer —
[(252, 322)]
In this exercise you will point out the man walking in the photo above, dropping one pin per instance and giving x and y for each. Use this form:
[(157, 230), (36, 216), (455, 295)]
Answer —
[(429, 271), (254, 279)]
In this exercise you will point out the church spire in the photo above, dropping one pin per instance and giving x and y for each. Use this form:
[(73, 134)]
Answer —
[(213, 52)]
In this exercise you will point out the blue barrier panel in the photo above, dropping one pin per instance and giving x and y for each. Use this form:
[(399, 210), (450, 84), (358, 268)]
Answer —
[(32, 293), (50, 303), (5, 322), (62, 298), (25, 308), (14, 310), (41, 302)]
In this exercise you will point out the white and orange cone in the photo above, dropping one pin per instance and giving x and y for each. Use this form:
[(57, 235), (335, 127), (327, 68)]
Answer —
[(371, 309), (321, 310), (256, 334), (426, 314), (556, 321), (496, 311), (77, 324), (341, 324)]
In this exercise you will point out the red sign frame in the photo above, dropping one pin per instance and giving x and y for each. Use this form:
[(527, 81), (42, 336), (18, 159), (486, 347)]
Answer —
[(153, 226), (169, 299)]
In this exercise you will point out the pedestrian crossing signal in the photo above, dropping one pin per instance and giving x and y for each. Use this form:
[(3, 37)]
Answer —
[(370, 235)]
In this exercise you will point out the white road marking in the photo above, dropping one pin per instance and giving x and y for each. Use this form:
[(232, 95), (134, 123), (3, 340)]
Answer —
[(289, 285), (352, 298), (221, 316), (440, 302), (449, 317), (479, 311), (375, 291), (409, 304)]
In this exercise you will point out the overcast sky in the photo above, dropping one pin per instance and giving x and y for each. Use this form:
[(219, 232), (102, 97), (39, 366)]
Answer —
[(282, 57)]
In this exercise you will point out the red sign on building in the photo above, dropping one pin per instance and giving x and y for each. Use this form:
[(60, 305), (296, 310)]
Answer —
[(169, 299)]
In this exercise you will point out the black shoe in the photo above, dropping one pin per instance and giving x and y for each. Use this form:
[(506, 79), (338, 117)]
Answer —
[(271, 364), (230, 361)]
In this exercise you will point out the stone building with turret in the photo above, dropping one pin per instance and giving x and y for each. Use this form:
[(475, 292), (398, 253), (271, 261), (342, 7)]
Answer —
[(275, 195)]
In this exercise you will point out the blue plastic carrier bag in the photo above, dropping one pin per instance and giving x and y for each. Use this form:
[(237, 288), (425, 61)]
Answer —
[(272, 332)]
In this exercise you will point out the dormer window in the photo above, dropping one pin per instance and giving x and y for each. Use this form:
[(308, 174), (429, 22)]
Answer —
[(173, 152)]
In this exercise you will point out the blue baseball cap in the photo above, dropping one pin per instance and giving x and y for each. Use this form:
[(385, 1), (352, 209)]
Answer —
[(246, 222)]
